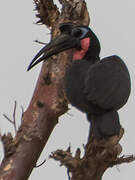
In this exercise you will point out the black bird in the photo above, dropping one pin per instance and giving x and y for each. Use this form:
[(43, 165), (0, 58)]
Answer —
[(97, 87)]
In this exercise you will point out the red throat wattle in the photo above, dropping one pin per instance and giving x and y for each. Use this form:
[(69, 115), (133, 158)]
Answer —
[(79, 54)]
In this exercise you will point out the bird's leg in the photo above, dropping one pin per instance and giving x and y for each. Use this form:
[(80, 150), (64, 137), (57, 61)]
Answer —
[(90, 135), (104, 125), (94, 127), (110, 124)]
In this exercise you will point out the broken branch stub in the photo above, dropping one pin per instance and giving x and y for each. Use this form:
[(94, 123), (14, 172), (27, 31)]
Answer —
[(98, 156)]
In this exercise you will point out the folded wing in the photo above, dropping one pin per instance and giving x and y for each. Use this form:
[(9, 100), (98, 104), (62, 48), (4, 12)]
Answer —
[(107, 83)]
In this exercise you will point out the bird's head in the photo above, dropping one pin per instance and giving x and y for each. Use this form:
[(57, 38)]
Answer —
[(72, 36)]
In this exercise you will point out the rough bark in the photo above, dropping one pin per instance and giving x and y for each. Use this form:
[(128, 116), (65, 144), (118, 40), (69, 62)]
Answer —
[(48, 101), (98, 157)]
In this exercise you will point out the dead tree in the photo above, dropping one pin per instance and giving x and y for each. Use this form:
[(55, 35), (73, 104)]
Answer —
[(47, 104)]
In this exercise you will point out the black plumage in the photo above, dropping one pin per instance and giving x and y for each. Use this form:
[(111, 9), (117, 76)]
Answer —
[(96, 87)]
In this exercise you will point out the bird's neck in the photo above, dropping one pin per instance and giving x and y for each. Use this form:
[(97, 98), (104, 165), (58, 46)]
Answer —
[(80, 55), (90, 54), (92, 59)]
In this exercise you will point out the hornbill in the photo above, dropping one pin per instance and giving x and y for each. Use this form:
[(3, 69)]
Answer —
[(97, 87)]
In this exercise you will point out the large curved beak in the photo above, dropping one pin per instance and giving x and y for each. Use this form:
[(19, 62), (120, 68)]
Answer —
[(59, 44)]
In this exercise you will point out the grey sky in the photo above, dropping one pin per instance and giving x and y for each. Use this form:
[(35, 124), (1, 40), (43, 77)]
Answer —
[(113, 22)]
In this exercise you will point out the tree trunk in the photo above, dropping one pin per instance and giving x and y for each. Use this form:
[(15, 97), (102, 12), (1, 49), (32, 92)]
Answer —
[(48, 101)]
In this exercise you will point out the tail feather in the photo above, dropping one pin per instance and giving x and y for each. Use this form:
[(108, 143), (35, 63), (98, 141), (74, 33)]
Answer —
[(105, 124)]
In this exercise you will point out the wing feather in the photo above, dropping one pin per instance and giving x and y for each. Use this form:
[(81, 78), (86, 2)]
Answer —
[(107, 83)]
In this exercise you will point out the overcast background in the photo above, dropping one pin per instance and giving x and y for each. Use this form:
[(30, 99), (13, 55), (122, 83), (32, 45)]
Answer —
[(114, 23)]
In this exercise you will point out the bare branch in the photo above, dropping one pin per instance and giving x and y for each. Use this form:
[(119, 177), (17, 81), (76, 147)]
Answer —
[(37, 166), (8, 118), (48, 13), (70, 114), (14, 116), (22, 113), (125, 159), (39, 42)]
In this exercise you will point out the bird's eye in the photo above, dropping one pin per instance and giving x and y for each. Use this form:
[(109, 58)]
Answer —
[(76, 32)]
